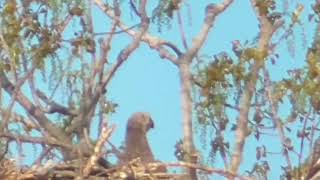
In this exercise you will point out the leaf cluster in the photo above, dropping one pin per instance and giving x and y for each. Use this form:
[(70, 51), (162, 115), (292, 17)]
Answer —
[(268, 8), (163, 13)]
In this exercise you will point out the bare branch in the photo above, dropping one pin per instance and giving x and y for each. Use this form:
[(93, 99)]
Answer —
[(105, 134), (37, 140), (28, 124), (183, 35), (122, 57), (106, 43), (152, 41), (276, 120), (207, 170), (33, 110), (266, 32), (53, 106), (185, 60), (124, 54), (212, 11)]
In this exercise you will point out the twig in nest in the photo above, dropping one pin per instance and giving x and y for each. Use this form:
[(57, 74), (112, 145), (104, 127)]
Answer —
[(206, 169), (105, 134), (5, 151)]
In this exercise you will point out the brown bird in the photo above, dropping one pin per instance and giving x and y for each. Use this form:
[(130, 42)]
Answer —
[(137, 146), (136, 142)]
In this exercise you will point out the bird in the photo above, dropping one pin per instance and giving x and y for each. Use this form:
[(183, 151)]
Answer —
[(136, 142)]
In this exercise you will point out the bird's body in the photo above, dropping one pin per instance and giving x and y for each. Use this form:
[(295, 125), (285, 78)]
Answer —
[(136, 143)]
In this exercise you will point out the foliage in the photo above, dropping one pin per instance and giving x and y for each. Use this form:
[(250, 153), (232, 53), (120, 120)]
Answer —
[(163, 13)]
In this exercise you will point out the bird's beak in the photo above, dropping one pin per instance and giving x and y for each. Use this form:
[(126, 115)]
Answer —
[(151, 124)]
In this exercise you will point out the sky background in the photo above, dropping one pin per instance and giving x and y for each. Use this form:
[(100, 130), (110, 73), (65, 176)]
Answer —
[(148, 83)]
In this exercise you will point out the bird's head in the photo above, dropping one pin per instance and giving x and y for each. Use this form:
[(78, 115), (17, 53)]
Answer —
[(140, 121)]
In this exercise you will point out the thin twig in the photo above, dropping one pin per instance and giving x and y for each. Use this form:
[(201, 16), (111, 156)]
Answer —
[(105, 134)]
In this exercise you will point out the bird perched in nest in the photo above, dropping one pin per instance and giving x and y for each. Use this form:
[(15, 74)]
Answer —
[(136, 142)]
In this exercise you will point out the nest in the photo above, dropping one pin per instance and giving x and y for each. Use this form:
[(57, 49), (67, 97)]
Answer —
[(76, 169)]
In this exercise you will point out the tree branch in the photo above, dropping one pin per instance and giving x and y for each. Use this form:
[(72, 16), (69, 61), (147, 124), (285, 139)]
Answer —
[(277, 121), (53, 106), (184, 61), (122, 57), (33, 110), (266, 32), (153, 42), (105, 134), (37, 140)]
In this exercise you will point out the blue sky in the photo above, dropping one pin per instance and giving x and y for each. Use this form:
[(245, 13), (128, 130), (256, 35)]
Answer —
[(147, 83)]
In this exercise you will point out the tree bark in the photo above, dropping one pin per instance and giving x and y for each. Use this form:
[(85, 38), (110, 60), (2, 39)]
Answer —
[(186, 103)]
